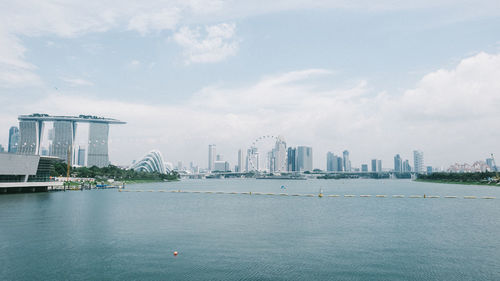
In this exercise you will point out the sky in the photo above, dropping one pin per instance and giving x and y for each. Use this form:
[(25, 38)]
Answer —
[(377, 78)]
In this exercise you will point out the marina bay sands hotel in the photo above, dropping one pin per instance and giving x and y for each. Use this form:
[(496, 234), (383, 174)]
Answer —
[(31, 129)]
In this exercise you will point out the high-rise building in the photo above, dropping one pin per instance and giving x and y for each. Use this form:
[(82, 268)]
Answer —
[(30, 132), (279, 161), (239, 167), (98, 145), (1, 148), (406, 166), (81, 156), (364, 167), (304, 158), (376, 165), (489, 163), (292, 159), (222, 166), (398, 164), (429, 170), (211, 156), (418, 162), (62, 145), (13, 139), (346, 161), (333, 163)]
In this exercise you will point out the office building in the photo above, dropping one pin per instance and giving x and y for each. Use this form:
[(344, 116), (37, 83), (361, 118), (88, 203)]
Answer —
[(292, 159), (304, 158), (222, 166), (406, 166), (418, 162), (279, 157), (346, 161), (211, 156), (429, 170), (333, 163), (364, 167), (239, 167), (13, 139), (376, 165), (398, 164)]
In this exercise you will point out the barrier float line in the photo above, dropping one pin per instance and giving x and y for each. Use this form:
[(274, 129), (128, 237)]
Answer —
[(310, 195)]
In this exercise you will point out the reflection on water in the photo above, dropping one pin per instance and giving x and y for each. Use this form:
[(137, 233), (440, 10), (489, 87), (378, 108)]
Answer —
[(105, 234)]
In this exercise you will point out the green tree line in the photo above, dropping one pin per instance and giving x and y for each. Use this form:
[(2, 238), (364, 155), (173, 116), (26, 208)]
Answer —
[(458, 177), (110, 172)]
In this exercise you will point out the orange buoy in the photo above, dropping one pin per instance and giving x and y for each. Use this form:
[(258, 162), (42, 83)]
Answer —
[(175, 253)]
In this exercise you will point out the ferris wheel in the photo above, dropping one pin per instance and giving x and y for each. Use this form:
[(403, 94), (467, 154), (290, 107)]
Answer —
[(267, 154)]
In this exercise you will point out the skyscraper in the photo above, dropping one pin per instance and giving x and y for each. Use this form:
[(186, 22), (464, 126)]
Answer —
[(346, 161), (98, 145), (62, 145), (292, 159), (279, 155), (398, 164), (13, 139), (329, 161), (211, 156), (364, 167), (304, 158), (376, 165), (418, 162), (333, 163), (406, 166), (239, 167)]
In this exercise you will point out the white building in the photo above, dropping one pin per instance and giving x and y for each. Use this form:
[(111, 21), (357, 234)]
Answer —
[(418, 162)]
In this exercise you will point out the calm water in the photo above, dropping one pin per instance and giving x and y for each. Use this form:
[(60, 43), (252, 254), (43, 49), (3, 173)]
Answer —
[(106, 234)]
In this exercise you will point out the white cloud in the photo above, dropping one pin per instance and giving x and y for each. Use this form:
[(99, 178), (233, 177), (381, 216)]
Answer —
[(215, 44), (76, 82)]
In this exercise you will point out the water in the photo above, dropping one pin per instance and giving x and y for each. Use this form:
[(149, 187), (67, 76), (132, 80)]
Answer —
[(106, 234)]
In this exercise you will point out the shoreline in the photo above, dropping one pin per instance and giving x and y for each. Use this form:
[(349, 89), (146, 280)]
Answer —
[(459, 182)]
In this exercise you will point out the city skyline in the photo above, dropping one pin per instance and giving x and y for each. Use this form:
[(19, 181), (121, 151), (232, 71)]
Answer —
[(373, 78)]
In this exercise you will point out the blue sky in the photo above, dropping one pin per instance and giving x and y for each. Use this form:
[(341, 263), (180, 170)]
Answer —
[(373, 78)]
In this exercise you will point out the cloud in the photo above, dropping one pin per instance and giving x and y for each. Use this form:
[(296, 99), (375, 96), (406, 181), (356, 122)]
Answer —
[(450, 114), (214, 45), (76, 82)]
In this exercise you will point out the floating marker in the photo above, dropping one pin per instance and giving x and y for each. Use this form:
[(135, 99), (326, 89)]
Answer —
[(415, 196), (334, 195), (450, 197), (349, 195), (488, 197), (398, 196), (365, 196), (433, 196), (469, 197), (380, 195), (283, 194), (295, 194), (175, 253)]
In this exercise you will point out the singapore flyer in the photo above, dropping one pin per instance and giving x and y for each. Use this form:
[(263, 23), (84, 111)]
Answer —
[(267, 154)]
